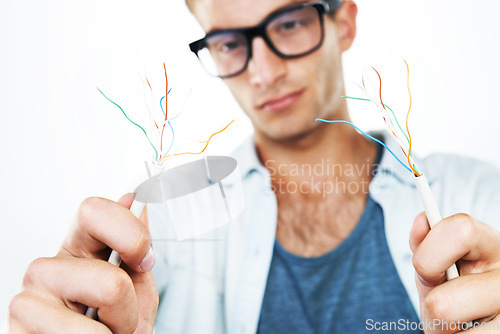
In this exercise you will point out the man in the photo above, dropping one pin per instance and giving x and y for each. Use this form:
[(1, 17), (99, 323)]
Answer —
[(302, 261)]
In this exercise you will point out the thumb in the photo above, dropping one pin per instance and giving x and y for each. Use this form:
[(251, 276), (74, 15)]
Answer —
[(419, 231)]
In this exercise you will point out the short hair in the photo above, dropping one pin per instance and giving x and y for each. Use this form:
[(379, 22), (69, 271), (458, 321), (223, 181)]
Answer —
[(334, 4)]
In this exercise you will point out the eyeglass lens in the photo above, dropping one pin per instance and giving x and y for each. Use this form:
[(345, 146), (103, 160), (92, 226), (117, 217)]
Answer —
[(292, 34)]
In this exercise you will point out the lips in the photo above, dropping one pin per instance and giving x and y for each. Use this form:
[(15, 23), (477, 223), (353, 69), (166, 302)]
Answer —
[(281, 102)]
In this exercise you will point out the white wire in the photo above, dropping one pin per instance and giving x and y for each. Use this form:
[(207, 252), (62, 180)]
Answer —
[(180, 112), (391, 128), (386, 115), (148, 104)]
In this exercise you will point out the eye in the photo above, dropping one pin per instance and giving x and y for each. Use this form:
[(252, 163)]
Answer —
[(294, 21), (293, 26), (226, 43), (230, 46), (289, 25)]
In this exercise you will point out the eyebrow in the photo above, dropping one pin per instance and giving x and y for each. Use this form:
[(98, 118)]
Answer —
[(265, 18)]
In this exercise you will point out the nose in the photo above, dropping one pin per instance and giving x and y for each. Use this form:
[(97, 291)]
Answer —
[(265, 68)]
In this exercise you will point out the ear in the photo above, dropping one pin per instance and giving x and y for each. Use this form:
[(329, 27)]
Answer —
[(345, 19)]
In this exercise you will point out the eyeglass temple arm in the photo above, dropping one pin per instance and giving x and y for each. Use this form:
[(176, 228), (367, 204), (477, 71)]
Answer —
[(333, 5)]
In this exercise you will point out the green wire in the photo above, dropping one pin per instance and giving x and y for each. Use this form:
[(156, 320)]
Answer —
[(418, 172), (395, 118), (393, 114), (131, 121)]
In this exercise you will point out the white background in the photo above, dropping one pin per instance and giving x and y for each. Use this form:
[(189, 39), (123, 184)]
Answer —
[(60, 141)]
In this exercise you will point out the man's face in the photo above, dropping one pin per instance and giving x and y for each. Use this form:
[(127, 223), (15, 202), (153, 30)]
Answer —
[(282, 97)]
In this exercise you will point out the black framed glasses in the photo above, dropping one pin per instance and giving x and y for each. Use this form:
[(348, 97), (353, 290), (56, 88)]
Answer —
[(291, 32)]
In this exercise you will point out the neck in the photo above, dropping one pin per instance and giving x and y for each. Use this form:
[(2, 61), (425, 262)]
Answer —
[(331, 144), (321, 181)]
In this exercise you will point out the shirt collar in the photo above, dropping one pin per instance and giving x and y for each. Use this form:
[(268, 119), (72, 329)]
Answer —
[(248, 160)]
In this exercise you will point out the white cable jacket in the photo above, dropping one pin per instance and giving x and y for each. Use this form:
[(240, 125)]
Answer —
[(430, 206), (434, 217), (432, 213)]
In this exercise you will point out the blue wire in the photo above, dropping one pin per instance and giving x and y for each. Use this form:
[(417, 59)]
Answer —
[(163, 110), (161, 105), (173, 137), (368, 136), (169, 124), (161, 100)]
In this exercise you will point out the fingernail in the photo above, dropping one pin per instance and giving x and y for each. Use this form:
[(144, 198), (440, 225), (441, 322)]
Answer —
[(424, 282), (149, 261)]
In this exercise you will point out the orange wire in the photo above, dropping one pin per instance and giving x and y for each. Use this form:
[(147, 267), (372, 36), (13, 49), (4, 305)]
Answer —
[(152, 90), (166, 91), (203, 150), (166, 104), (383, 105), (408, 114), (380, 90), (199, 142)]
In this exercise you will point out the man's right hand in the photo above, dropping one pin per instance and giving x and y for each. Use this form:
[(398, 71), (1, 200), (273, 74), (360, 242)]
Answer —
[(57, 290)]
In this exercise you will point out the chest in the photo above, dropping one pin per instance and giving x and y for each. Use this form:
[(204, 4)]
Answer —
[(341, 289), (310, 226)]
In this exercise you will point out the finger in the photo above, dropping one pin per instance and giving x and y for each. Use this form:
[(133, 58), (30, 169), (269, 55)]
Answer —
[(127, 199), (459, 236), (94, 283), (147, 300), (423, 289), (419, 230), (28, 313), (101, 223), (431, 324), (465, 298)]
